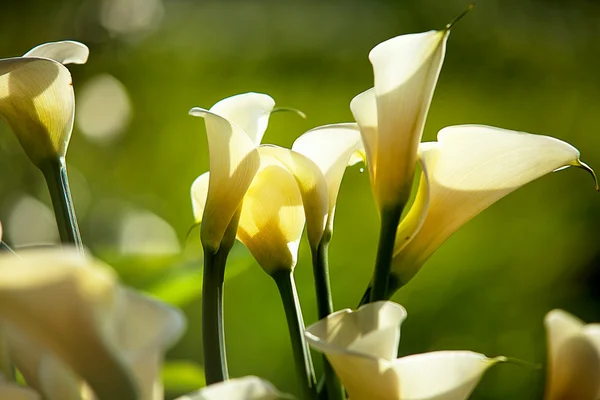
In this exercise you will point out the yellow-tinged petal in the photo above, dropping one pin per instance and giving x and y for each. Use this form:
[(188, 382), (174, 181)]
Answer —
[(246, 388), (37, 102), (468, 169), (65, 52), (312, 184), (272, 217), (406, 69), (199, 192), (332, 148), (573, 358), (362, 346), (364, 109)]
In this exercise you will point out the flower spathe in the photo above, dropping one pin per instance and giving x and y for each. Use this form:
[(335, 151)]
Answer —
[(362, 346), (392, 114), (234, 126), (573, 358), (246, 388), (37, 99), (468, 169), (86, 327)]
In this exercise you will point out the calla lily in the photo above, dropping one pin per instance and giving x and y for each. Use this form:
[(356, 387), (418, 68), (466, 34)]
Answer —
[(468, 169), (235, 127), (573, 358), (86, 326), (37, 100), (362, 346), (392, 114), (246, 388)]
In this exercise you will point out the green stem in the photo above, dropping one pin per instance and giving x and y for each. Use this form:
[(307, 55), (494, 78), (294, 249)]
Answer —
[(213, 333), (55, 172), (320, 258), (390, 218), (293, 313)]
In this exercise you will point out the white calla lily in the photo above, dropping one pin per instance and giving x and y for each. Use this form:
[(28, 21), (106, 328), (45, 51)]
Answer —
[(37, 99), (362, 346), (392, 115), (246, 388), (234, 127), (109, 337), (468, 169), (573, 358)]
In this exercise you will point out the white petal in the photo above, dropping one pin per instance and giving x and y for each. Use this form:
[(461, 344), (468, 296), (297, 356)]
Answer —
[(406, 70), (37, 102), (246, 388), (199, 194), (364, 109), (249, 111), (441, 375), (233, 163), (272, 218), (65, 52), (312, 185), (332, 148), (470, 168), (573, 359)]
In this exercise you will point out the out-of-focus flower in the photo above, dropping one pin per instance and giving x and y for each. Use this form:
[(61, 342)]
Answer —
[(468, 169), (69, 324), (573, 358), (37, 100), (362, 347), (392, 114), (246, 388)]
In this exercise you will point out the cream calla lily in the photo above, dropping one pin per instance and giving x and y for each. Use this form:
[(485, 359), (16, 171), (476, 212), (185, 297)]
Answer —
[(392, 115), (332, 148), (362, 346), (246, 388), (468, 169), (573, 358), (234, 127), (37, 100), (109, 337)]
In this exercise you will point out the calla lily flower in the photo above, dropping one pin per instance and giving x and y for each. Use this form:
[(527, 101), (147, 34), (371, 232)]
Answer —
[(246, 388), (468, 169), (362, 346), (74, 321), (392, 114), (573, 358), (235, 127), (37, 100)]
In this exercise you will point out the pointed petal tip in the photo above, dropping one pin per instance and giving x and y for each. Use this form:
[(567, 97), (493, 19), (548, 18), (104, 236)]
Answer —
[(460, 16), (197, 112), (300, 113), (585, 167)]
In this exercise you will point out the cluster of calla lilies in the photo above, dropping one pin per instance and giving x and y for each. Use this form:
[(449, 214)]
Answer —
[(70, 331)]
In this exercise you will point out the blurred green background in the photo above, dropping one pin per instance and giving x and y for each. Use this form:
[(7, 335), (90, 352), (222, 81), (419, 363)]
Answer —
[(520, 64)]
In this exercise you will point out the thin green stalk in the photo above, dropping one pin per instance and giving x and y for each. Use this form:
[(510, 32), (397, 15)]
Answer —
[(6, 247), (302, 359), (320, 258), (390, 219), (213, 333), (55, 172)]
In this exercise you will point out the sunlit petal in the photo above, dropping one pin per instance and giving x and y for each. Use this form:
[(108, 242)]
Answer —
[(246, 388), (332, 148), (37, 102), (364, 109), (272, 217), (65, 52), (312, 185), (468, 169), (573, 358), (199, 194)]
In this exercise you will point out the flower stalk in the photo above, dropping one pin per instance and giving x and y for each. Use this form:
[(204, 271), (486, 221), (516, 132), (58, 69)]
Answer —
[(390, 218), (55, 173), (284, 279)]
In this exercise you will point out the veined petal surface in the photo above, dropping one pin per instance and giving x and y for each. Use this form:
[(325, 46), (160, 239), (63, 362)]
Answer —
[(573, 358), (468, 169), (246, 388), (332, 148), (64, 52), (37, 102)]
